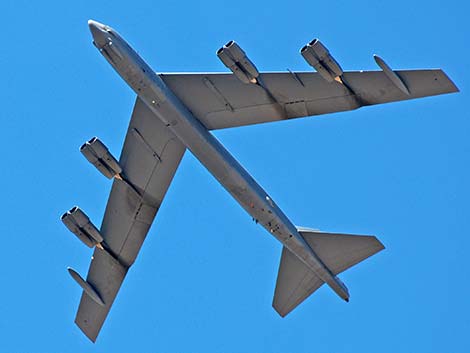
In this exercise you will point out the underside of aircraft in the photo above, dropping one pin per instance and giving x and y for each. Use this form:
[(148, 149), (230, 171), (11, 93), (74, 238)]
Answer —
[(174, 112)]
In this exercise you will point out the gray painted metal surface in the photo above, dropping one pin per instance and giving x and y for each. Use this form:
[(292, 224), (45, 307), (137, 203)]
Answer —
[(149, 159), (89, 290), (241, 104), (338, 252), (394, 78), (176, 111)]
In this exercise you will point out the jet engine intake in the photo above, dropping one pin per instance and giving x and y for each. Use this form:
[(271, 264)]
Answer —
[(98, 154), (80, 225), (235, 59), (317, 56)]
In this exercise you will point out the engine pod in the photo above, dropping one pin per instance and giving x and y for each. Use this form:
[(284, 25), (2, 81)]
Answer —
[(98, 154), (235, 59), (318, 57), (80, 225)]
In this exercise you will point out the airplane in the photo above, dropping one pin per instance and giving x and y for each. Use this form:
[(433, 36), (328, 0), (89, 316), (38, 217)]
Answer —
[(174, 112)]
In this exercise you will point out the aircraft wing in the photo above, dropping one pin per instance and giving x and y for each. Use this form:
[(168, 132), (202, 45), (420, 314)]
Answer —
[(220, 100), (149, 159)]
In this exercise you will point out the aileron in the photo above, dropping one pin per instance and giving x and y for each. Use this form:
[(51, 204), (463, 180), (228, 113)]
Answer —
[(149, 159), (250, 104), (106, 275)]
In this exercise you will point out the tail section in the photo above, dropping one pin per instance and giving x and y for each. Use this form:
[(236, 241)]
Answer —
[(341, 251), (295, 281)]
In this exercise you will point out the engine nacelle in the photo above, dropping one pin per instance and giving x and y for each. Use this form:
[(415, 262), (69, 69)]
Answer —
[(234, 58), (80, 225), (98, 154), (317, 56)]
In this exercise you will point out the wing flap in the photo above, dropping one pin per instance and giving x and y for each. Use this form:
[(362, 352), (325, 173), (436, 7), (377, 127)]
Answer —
[(227, 102), (149, 159)]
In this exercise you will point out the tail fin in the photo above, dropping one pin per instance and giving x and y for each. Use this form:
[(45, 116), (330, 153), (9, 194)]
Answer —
[(295, 281)]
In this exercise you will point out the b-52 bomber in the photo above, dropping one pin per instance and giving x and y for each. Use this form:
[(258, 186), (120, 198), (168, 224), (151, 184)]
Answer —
[(176, 111)]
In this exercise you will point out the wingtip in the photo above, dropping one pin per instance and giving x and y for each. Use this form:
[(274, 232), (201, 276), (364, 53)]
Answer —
[(277, 310), (452, 86), (380, 245), (91, 337)]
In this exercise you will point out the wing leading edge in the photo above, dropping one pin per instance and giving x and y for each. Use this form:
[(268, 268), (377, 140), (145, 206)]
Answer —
[(149, 159), (221, 100)]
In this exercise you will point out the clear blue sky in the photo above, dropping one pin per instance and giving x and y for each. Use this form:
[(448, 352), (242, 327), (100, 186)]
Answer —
[(205, 277)]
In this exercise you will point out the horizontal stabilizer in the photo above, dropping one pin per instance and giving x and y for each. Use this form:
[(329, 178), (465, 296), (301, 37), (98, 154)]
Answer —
[(295, 281), (340, 251)]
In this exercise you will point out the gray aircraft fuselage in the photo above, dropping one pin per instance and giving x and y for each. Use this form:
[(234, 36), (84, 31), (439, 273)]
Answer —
[(207, 149)]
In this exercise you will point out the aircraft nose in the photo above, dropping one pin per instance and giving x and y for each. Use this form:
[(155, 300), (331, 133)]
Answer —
[(99, 33)]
